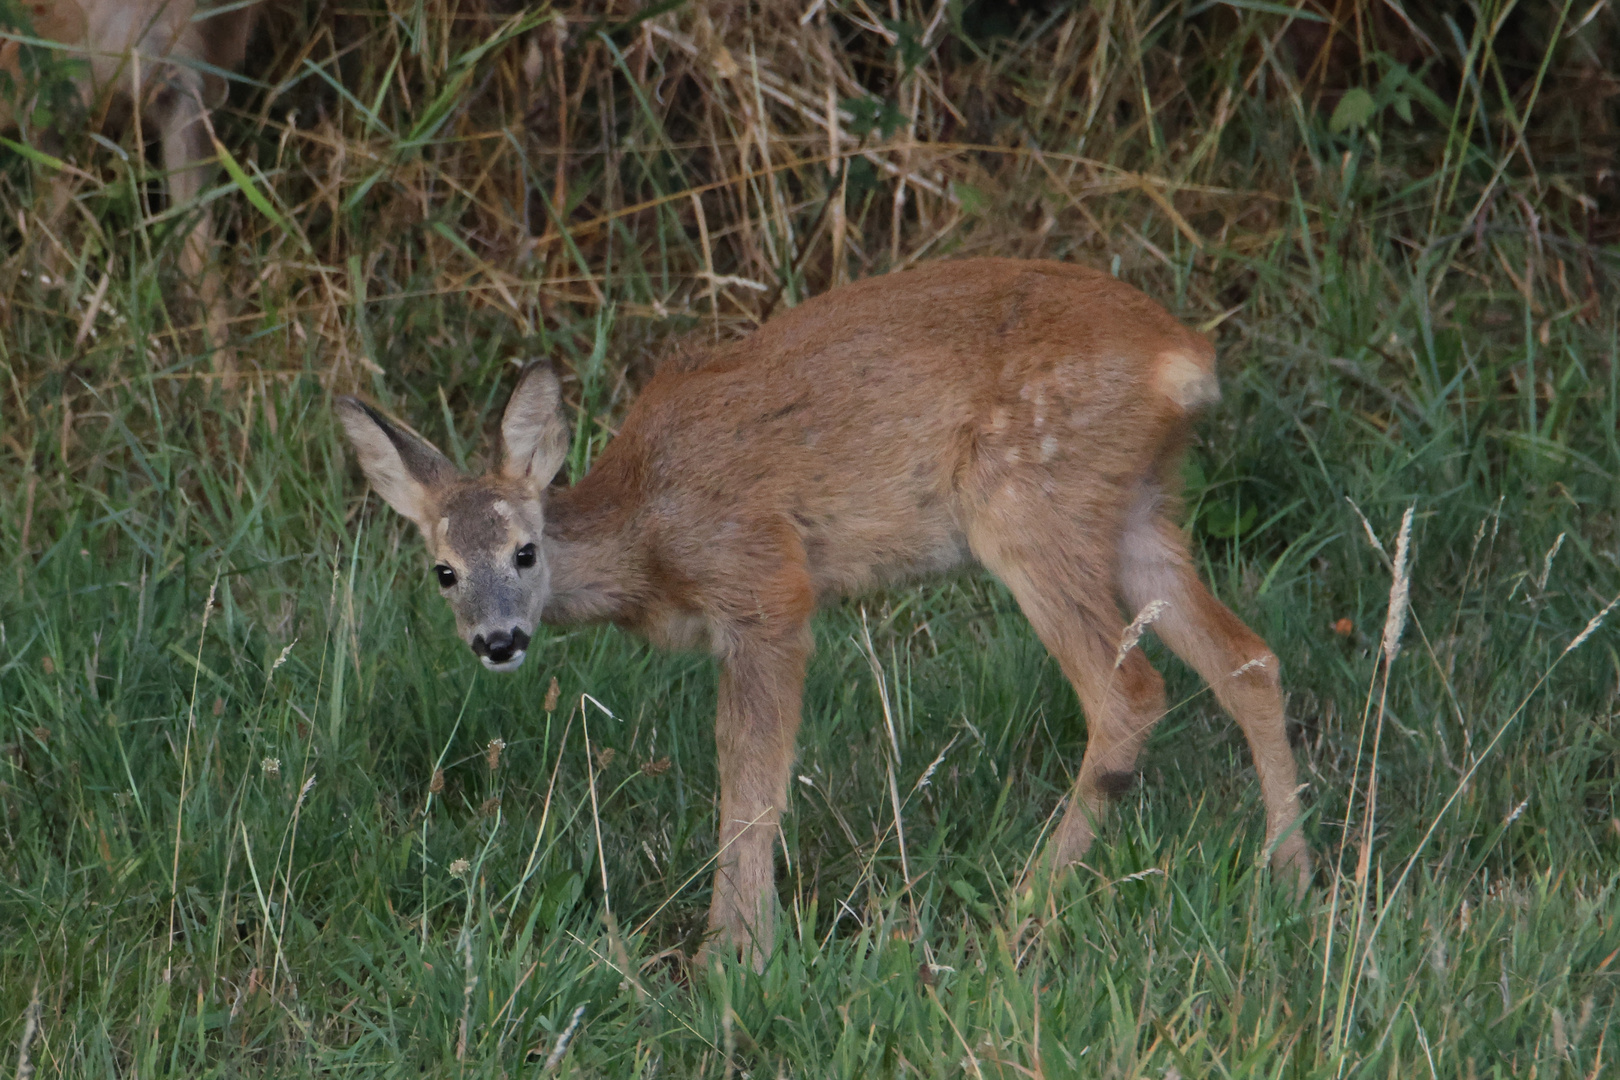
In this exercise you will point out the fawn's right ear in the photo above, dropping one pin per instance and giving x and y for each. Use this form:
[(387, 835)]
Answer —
[(404, 468), (534, 433)]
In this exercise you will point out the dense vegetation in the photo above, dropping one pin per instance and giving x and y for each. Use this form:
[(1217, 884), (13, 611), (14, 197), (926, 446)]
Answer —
[(260, 813)]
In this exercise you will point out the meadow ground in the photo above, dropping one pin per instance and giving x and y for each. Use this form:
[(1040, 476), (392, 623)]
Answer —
[(262, 814)]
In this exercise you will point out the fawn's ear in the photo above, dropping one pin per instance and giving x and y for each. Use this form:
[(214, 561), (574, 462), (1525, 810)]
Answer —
[(534, 435), (404, 468)]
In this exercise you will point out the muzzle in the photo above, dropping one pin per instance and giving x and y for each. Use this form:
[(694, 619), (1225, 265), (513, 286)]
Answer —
[(502, 650)]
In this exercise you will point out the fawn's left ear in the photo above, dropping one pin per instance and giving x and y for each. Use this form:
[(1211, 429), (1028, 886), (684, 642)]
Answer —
[(534, 435)]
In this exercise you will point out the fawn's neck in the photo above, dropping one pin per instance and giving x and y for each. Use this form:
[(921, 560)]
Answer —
[(597, 564)]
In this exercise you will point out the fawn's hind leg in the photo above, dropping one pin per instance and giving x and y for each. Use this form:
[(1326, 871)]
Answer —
[(1240, 669), (1066, 590)]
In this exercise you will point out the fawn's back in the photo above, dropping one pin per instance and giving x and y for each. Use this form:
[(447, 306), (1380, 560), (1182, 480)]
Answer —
[(874, 421)]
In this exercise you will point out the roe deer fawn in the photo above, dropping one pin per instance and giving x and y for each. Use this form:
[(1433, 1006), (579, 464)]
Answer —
[(162, 56), (1025, 416)]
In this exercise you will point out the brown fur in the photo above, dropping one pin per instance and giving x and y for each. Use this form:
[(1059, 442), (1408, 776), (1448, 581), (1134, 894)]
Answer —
[(1025, 416)]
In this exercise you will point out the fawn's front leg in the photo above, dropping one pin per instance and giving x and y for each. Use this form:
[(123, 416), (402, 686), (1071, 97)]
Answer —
[(761, 685)]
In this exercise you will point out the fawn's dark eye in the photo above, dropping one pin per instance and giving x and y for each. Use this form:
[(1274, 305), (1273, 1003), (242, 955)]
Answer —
[(525, 556), (447, 576)]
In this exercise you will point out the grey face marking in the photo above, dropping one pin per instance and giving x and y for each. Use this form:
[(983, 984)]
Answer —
[(476, 528), (497, 603)]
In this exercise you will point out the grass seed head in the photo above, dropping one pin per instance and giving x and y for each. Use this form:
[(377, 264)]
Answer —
[(1400, 589)]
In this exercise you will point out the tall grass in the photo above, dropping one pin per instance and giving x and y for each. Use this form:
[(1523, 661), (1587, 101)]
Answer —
[(259, 814)]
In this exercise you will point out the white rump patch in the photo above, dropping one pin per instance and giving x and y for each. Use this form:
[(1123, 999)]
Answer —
[(1185, 381)]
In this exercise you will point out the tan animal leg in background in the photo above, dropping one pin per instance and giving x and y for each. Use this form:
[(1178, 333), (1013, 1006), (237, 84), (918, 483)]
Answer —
[(177, 107), (152, 52)]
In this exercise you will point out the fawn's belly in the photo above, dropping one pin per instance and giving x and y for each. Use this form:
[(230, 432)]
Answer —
[(905, 537)]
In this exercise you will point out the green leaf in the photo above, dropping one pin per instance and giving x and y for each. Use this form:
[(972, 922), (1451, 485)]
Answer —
[(863, 113), (1394, 78), (862, 177), (38, 157), (1289, 11), (1353, 111), (1222, 520), (241, 179), (970, 198), (891, 119), (869, 113), (908, 43)]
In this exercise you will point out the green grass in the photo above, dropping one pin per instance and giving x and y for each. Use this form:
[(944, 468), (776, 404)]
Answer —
[(270, 834)]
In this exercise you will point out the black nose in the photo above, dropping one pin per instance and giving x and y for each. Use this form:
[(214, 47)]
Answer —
[(501, 646)]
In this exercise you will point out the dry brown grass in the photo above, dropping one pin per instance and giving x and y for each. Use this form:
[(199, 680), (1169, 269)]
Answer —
[(518, 171)]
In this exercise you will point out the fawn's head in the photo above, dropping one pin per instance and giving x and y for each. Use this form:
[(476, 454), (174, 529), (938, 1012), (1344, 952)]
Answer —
[(485, 534)]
